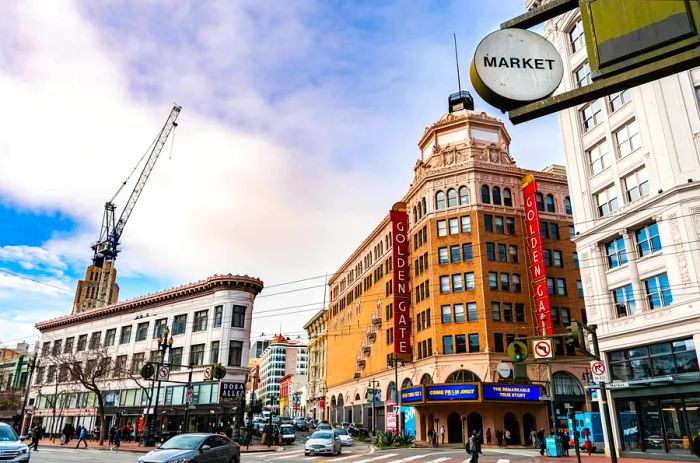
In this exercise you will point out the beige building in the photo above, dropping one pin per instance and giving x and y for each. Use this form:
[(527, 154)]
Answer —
[(316, 330)]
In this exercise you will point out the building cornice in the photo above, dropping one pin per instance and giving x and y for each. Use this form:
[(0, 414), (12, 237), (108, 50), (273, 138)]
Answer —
[(187, 291)]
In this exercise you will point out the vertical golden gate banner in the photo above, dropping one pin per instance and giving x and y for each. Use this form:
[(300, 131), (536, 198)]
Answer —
[(401, 281), (534, 245)]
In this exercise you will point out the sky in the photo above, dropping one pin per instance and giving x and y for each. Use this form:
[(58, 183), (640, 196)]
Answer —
[(298, 132)]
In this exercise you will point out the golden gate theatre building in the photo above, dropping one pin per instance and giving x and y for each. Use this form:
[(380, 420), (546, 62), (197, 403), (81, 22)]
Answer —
[(471, 292)]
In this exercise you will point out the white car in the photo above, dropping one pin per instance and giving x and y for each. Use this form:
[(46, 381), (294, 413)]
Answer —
[(345, 438), (327, 442)]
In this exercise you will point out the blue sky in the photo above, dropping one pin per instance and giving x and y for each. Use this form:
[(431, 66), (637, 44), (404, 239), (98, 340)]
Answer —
[(298, 132)]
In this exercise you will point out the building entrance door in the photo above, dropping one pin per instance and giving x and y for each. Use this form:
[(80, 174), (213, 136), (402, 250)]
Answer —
[(474, 423), (454, 428), (512, 425), (529, 424)]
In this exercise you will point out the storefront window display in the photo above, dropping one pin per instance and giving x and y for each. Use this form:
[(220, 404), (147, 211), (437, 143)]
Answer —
[(662, 359)]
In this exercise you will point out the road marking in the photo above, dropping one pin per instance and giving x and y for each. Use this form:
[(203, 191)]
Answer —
[(437, 460), (503, 461), (381, 457), (349, 457), (513, 451), (414, 457), (286, 455)]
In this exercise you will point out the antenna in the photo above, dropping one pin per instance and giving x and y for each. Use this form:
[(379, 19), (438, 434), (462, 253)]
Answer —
[(459, 80)]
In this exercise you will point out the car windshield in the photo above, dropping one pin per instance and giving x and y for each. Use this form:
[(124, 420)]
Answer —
[(183, 441), (287, 430), (341, 432), (322, 435), (7, 434)]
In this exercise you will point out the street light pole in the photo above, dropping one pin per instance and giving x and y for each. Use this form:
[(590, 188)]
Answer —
[(164, 346), (372, 384)]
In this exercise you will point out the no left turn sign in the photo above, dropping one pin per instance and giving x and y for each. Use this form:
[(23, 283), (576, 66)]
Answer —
[(542, 349)]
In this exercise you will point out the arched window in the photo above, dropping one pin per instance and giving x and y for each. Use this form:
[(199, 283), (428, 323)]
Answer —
[(550, 203), (496, 195), (357, 398), (567, 384), (425, 207), (390, 391), (451, 197), (540, 201), (567, 206), (440, 200), (462, 376), (485, 194), (507, 197), (463, 195), (415, 215), (420, 209), (406, 383), (426, 379)]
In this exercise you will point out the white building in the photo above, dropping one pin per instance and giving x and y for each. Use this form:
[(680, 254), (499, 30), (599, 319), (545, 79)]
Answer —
[(633, 165), (208, 322), (282, 357), (317, 331)]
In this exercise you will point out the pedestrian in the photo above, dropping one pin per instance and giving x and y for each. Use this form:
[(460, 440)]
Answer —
[(474, 447), (82, 437), (35, 438), (117, 439), (533, 438), (430, 436), (111, 434), (442, 434), (499, 437), (564, 440), (506, 437), (695, 448), (488, 436), (588, 445), (435, 439), (540, 439)]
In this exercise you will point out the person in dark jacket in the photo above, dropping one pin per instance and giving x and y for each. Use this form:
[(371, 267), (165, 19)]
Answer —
[(540, 437), (696, 445), (474, 447)]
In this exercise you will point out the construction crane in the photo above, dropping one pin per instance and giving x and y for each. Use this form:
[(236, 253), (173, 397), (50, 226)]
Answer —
[(99, 287)]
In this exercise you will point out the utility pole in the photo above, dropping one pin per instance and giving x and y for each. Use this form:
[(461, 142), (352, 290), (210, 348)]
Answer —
[(603, 397)]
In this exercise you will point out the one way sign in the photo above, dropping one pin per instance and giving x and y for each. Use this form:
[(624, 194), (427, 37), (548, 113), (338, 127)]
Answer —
[(542, 348)]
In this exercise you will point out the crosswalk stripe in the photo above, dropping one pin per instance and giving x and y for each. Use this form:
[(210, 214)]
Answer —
[(437, 460), (503, 461), (380, 457), (414, 457), (286, 455), (350, 457)]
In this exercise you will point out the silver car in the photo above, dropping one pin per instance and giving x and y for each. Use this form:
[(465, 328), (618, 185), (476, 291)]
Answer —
[(195, 447), (11, 447), (327, 442)]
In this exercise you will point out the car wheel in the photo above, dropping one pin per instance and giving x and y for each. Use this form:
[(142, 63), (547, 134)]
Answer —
[(306, 453)]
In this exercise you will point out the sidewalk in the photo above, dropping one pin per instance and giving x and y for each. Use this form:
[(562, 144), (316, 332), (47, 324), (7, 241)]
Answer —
[(136, 448)]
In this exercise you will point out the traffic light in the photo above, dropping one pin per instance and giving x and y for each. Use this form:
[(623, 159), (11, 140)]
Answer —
[(389, 361), (574, 336), (517, 351), (147, 371), (219, 371)]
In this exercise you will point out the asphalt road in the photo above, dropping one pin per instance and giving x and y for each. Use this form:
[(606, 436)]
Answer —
[(60, 454)]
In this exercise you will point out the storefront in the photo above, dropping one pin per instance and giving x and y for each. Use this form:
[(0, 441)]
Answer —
[(656, 396), (467, 407)]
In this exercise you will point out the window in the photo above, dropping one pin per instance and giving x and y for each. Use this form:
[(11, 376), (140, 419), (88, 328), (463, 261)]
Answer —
[(197, 355), (459, 312), (496, 311), (520, 313), (567, 206), (159, 327), (45, 348), (550, 203), (440, 200), (561, 287), (628, 139), (218, 315), (469, 281), (502, 253), (447, 347), (599, 157), (636, 184), (558, 262), (466, 222), (658, 291), (554, 231), (619, 99), (485, 194), (474, 342), (179, 324), (110, 335), (488, 222), (498, 342), (496, 195), (579, 288), (141, 331), (510, 338), (493, 280), (446, 311), (460, 344), (576, 37), (648, 240), (238, 316), (554, 314), (510, 225), (119, 365), (550, 286), (615, 252), (56, 349), (451, 197), (505, 281), (606, 200), (515, 279), (574, 257), (547, 257), (175, 359), (137, 362), (490, 251), (442, 255), (235, 348), (572, 232), (82, 341), (457, 282), (539, 197), (125, 335), (507, 312), (463, 195), (200, 320), (583, 75), (499, 224), (454, 226), (467, 253), (623, 298), (444, 284), (441, 228), (95, 339), (591, 115), (565, 316), (513, 251), (455, 253), (507, 197), (662, 359), (544, 230), (472, 314)]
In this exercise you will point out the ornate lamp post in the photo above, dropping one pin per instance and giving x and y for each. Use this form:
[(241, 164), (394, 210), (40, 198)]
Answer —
[(165, 343), (372, 387)]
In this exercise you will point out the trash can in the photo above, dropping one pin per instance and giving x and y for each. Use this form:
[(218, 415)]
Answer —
[(553, 446)]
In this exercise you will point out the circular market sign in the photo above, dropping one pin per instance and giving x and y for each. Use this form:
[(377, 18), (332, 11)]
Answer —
[(512, 67)]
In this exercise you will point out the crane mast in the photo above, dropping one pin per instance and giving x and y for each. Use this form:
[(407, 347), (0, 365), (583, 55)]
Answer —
[(99, 288)]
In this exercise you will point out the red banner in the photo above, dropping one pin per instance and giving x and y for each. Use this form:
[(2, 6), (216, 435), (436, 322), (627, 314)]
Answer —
[(534, 245), (401, 281)]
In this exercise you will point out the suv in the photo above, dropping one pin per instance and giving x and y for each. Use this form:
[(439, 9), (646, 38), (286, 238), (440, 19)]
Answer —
[(12, 448), (287, 435)]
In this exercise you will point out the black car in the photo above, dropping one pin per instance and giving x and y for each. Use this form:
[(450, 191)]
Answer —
[(301, 425)]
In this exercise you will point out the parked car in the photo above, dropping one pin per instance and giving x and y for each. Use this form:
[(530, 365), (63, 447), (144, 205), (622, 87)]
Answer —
[(327, 442), (324, 427), (345, 438), (286, 420), (195, 448), (301, 424), (12, 447), (287, 435)]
